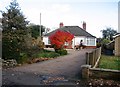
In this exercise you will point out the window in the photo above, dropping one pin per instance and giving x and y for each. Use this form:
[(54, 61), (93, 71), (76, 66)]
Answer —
[(90, 41), (49, 41), (66, 43)]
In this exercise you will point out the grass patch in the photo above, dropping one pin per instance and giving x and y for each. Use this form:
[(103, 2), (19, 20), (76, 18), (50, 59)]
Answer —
[(109, 62)]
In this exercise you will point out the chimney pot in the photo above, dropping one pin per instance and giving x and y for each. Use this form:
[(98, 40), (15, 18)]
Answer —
[(61, 24)]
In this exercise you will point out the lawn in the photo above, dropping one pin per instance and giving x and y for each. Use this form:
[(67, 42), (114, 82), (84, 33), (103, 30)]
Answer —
[(109, 62)]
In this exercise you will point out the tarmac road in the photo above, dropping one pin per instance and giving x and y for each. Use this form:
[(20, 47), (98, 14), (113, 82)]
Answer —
[(57, 71)]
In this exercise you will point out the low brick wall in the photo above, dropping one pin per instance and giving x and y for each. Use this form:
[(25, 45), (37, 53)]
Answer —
[(104, 73), (88, 72)]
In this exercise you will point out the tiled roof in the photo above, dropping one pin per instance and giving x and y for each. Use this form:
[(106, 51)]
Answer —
[(76, 30)]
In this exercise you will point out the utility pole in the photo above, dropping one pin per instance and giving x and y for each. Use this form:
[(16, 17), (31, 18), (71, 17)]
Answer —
[(40, 25)]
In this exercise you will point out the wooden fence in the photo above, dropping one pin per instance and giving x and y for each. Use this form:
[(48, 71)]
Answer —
[(90, 71), (92, 58)]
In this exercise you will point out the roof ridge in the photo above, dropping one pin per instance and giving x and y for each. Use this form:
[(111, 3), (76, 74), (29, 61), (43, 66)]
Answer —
[(76, 30)]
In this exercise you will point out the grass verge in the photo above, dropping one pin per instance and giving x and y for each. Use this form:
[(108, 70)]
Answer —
[(109, 62)]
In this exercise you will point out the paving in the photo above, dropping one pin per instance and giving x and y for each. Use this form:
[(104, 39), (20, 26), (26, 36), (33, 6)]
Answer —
[(61, 70)]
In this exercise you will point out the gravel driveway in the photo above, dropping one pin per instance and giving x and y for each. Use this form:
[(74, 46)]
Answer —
[(56, 71)]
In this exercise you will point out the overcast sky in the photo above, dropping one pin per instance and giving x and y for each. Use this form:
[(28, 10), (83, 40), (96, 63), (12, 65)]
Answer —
[(98, 14)]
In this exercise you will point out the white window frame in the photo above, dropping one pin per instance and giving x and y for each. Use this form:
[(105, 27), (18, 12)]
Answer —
[(90, 41)]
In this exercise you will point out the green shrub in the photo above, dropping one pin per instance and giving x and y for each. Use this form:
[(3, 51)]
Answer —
[(31, 52), (98, 45), (48, 55), (61, 52), (10, 48), (46, 50), (23, 58), (53, 54)]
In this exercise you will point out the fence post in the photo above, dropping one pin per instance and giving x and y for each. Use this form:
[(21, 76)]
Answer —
[(91, 57), (96, 55), (85, 71), (99, 51), (87, 58)]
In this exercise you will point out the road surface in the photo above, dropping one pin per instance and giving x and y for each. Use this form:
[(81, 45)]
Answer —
[(57, 71)]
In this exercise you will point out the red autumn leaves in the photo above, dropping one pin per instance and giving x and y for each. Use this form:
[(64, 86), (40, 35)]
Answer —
[(59, 38)]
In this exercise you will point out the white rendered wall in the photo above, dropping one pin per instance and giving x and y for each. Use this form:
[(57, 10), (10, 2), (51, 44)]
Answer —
[(45, 40), (76, 40)]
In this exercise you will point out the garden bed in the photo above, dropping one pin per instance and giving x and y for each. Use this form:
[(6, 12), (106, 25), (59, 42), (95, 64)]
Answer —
[(33, 56)]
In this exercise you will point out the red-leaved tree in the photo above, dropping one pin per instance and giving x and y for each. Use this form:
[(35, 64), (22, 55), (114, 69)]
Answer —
[(59, 38)]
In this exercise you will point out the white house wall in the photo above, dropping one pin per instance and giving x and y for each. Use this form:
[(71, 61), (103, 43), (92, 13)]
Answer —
[(45, 40), (76, 41), (86, 41)]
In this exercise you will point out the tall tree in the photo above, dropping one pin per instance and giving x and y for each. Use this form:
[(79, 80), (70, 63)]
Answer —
[(35, 30), (14, 28), (108, 33), (13, 18)]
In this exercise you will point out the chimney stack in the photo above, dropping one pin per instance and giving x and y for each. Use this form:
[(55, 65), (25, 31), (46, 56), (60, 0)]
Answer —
[(61, 24), (84, 25)]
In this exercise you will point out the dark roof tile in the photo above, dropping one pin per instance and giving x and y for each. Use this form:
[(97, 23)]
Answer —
[(76, 30)]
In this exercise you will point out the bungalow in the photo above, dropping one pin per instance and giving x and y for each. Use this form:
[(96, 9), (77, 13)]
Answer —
[(79, 34)]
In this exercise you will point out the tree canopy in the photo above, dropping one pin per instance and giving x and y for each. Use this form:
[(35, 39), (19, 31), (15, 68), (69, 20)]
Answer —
[(13, 17), (13, 30), (108, 33), (35, 30)]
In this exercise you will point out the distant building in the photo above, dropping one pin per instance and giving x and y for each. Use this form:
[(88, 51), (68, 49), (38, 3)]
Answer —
[(79, 34), (117, 45)]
